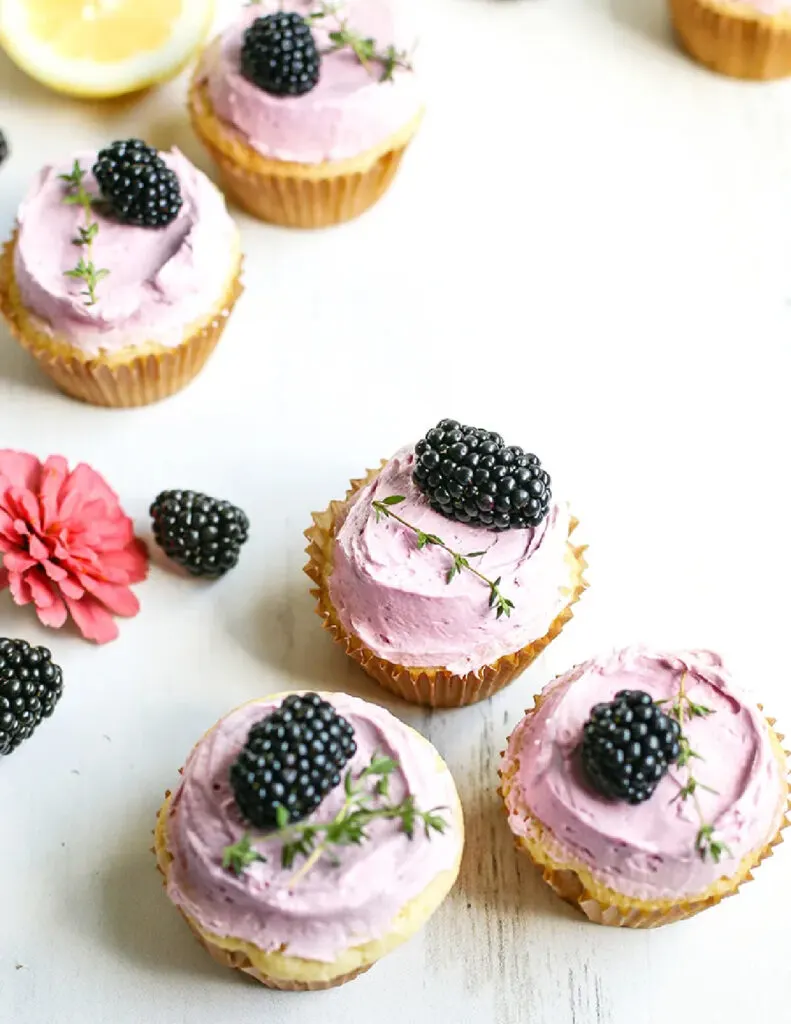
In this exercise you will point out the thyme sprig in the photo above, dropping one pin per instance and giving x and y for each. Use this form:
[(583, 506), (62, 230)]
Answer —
[(364, 48), (361, 806), (77, 195), (683, 709), (498, 600)]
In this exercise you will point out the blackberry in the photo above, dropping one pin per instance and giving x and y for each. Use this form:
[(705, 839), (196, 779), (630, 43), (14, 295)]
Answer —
[(279, 55), (3, 148), (202, 534), (137, 185), (293, 758), (30, 687), (470, 475), (628, 746)]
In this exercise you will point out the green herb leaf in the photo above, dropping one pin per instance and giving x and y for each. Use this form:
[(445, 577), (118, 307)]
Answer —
[(393, 499), (240, 856)]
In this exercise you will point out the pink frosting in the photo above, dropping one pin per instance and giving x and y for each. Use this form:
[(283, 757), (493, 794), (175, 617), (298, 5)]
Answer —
[(768, 7), (350, 110), (397, 599), (648, 851), (333, 907), (161, 280)]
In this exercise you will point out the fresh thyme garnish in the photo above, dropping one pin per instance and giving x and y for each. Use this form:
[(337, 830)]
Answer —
[(314, 840), (76, 195), (497, 599), (683, 709), (365, 49)]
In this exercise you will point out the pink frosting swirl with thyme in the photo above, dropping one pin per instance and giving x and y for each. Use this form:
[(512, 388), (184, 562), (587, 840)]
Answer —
[(349, 112), (648, 851), (161, 280), (334, 907), (397, 599)]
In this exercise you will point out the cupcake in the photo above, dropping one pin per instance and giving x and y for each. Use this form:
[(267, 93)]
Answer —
[(302, 863), (645, 786), (744, 38), (446, 572), (121, 273), (308, 111)]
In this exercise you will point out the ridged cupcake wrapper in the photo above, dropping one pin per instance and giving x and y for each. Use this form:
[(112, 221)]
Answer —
[(607, 907), (140, 381), (237, 960), (282, 196), (433, 687), (735, 40)]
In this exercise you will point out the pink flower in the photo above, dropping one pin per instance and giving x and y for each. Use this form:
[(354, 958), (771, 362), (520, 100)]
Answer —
[(66, 546)]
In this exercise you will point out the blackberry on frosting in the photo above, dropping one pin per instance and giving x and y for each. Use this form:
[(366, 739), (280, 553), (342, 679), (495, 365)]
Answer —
[(628, 746), (292, 759), (280, 56), (137, 185), (471, 475)]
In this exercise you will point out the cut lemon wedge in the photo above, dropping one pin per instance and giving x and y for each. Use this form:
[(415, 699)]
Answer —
[(103, 48)]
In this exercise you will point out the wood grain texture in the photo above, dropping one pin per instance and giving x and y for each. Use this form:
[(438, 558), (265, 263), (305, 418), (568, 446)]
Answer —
[(587, 250)]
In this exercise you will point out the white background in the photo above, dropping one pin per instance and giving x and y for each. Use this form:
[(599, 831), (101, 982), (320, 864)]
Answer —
[(587, 250)]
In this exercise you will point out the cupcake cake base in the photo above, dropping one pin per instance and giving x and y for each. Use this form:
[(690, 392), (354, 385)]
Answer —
[(128, 378), (293, 194), (734, 39), (433, 687)]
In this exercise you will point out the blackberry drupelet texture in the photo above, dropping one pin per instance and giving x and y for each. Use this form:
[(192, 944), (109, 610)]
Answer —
[(30, 687), (137, 185), (470, 475), (628, 746), (202, 534), (292, 759), (279, 55)]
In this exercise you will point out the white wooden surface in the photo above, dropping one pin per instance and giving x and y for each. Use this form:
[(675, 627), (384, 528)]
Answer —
[(588, 250)]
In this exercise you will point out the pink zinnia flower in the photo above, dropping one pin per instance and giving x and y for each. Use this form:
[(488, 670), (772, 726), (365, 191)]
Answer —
[(66, 545)]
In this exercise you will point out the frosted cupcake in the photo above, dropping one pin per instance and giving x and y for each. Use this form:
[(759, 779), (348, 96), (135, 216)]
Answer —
[(445, 573), (645, 786), (121, 274), (744, 38), (308, 111), (309, 836)]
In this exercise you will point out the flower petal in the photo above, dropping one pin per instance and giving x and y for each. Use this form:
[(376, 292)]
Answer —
[(53, 475), (20, 591), (18, 469), (83, 486), (55, 615), (92, 620), (18, 561), (118, 599)]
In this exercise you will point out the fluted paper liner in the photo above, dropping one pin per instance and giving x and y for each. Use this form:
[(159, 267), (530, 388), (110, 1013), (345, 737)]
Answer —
[(292, 194), (734, 39), (141, 380), (575, 884), (434, 687)]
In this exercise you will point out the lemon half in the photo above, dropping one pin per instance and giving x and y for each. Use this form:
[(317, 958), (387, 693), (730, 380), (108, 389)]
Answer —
[(103, 48)]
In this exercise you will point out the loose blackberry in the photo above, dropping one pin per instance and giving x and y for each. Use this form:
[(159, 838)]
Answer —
[(203, 534), (30, 687), (3, 148), (137, 185), (293, 758), (470, 475), (628, 746), (279, 55)]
